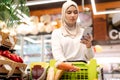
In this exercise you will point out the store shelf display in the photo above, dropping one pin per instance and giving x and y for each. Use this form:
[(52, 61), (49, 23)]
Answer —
[(11, 64)]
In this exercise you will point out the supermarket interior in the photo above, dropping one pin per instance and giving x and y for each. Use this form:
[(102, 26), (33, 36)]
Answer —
[(26, 28)]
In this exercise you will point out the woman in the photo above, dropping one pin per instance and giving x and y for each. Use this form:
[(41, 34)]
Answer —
[(67, 41)]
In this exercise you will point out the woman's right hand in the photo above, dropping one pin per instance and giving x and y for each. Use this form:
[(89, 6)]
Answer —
[(67, 66), (87, 40)]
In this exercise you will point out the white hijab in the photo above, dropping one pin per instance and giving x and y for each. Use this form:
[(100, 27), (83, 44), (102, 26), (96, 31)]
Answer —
[(66, 30)]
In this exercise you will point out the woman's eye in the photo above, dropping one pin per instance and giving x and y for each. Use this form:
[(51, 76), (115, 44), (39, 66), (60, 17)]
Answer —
[(69, 12), (75, 12)]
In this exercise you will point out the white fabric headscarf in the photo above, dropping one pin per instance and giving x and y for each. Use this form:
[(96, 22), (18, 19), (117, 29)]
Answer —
[(66, 30)]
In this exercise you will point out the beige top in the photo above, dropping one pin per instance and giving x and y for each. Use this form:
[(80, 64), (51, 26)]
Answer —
[(66, 48)]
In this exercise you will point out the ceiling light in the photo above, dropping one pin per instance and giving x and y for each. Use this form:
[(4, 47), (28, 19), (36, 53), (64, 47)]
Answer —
[(102, 12), (31, 3)]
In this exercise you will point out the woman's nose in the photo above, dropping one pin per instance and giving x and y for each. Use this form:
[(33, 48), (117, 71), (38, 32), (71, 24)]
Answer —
[(72, 14)]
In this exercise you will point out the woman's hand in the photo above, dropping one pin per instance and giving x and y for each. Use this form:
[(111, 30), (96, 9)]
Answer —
[(67, 66), (87, 40)]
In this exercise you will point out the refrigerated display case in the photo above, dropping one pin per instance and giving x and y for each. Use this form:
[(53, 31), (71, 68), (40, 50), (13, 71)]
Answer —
[(34, 48)]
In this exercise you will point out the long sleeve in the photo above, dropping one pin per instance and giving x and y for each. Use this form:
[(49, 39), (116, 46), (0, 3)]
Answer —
[(56, 46), (89, 53), (65, 48)]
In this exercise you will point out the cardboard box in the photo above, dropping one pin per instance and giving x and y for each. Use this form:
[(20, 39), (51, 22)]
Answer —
[(15, 67), (7, 40)]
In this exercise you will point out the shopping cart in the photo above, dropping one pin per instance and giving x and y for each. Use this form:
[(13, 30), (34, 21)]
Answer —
[(88, 71)]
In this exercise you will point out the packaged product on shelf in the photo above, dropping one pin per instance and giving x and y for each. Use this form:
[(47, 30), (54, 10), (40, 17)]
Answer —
[(7, 40)]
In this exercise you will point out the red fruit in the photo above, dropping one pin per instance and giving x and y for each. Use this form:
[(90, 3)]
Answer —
[(20, 59), (1, 52), (6, 53), (13, 57), (8, 56), (16, 58)]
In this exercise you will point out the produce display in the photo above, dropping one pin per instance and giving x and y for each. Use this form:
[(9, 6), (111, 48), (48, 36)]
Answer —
[(64, 71), (12, 66), (11, 56)]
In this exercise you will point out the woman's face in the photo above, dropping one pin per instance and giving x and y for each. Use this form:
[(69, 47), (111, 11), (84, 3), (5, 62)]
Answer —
[(71, 15)]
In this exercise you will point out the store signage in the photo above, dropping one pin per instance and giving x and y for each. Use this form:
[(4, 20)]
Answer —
[(114, 34)]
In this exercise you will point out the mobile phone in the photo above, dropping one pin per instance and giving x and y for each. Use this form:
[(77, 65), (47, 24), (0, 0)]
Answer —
[(87, 31)]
